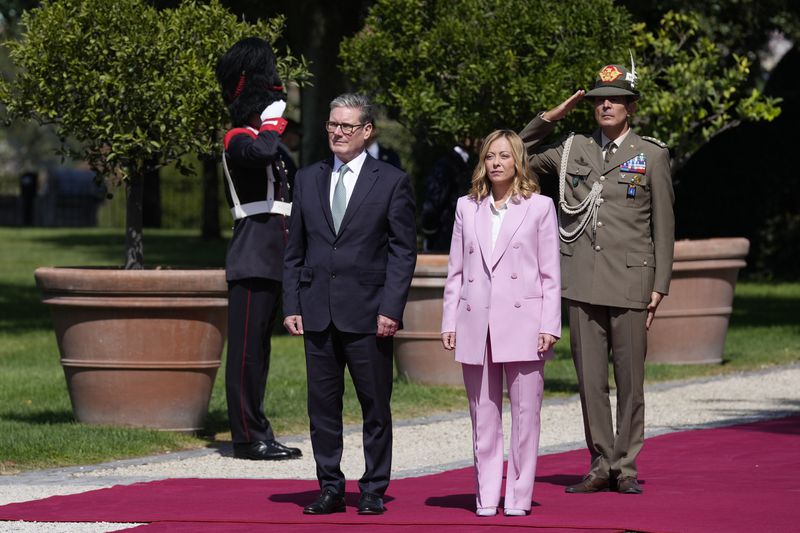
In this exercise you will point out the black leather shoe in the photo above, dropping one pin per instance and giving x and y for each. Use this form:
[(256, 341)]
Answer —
[(590, 483), (269, 450), (327, 503), (628, 485), (370, 504)]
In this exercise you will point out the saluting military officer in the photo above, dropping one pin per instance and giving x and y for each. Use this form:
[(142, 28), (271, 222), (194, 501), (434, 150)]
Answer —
[(617, 233)]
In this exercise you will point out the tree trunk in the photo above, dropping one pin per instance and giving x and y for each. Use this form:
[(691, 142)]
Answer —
[(211, 230), (151, 201), (134, 192), (332, 21)]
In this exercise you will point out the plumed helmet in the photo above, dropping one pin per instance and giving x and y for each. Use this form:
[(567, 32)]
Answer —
[(248, 79)]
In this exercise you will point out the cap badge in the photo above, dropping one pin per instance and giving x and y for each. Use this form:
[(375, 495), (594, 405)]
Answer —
[(609, 73)]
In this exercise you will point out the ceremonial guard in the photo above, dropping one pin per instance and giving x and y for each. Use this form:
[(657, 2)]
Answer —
[(258, 192), (617, 234)]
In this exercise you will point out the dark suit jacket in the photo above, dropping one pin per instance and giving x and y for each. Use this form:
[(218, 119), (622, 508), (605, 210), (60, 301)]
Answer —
[(365, 270)]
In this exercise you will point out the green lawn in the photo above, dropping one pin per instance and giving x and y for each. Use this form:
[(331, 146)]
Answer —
[(36, 425)]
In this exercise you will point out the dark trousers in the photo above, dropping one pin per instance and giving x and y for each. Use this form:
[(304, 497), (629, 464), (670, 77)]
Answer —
[(252, 308), (369, 360), (594, 331)]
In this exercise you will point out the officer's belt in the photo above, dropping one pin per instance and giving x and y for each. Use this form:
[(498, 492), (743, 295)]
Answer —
[(274, 207)]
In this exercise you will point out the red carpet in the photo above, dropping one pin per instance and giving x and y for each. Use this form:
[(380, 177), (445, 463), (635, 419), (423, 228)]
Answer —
[(739, 478)]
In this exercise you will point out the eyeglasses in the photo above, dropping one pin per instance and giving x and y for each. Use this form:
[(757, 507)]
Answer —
[(347, 129)]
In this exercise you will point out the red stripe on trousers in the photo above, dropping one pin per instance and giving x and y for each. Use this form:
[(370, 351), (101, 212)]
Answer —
[(244, 359)]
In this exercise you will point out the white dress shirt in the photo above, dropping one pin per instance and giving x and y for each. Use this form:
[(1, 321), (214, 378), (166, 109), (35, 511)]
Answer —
[(354, 169)]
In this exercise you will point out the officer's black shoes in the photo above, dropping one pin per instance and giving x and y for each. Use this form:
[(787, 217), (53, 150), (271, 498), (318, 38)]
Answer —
[(269, 450), (328, 502)]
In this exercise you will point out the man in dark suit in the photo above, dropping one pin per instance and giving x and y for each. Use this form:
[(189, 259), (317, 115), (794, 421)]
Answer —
[(348, 267), (383, 153), (448, 179)]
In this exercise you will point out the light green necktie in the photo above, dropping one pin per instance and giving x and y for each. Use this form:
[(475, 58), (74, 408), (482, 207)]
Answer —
[(339, 204)]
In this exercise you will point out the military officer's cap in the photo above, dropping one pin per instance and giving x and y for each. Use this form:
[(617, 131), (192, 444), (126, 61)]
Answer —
[(614, 80)]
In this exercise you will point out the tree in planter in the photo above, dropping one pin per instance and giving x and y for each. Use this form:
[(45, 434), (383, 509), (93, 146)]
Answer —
[(460, 69), (133, 84)]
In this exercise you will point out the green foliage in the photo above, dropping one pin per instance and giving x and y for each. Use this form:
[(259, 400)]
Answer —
[(134, 85), (453, 70), (740, 27), (690, 92)]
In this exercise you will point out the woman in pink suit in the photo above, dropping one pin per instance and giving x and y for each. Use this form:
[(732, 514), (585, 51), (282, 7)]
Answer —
[(502, 313)]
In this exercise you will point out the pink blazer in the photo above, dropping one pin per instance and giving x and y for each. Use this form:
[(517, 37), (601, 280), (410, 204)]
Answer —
[(513, 291)]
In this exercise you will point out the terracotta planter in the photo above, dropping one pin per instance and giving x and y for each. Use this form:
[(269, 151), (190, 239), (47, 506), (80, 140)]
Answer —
[(138, 347), (418, 347), (692, 321)]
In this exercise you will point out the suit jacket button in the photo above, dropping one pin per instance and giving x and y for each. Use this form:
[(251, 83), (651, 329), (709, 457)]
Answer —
[(469, 308), (516, 245), (597, 248), (471, 280), (602, 178), (514, 275), (517, 304), (599, 225), (333, 276), (644, 263)]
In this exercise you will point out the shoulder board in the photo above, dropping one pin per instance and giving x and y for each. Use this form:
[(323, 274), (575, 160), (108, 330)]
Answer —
[(237, 131), (655, 141)]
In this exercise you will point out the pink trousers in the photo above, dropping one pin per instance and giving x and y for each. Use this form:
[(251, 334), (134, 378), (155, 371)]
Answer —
[(484, 385)]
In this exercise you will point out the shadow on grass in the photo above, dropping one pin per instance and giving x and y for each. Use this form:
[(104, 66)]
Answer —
[(108, 244), (175, 250), (216, 422), (754, 311), (561, 386), (42, 417), (21, 309)]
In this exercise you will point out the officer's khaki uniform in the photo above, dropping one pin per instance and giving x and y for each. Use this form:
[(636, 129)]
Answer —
[(607, 275)]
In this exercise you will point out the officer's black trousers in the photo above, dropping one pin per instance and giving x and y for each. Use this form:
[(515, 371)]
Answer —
[(252, 308)]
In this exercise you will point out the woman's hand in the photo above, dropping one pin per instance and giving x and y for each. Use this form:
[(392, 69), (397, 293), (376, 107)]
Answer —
[(560, 111), (449, 340), (546, 341)]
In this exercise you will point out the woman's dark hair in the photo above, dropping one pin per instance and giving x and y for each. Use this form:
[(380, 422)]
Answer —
[(248, 80)]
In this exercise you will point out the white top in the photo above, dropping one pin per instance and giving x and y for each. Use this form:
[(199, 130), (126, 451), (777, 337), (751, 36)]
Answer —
[(497, 217), (350, 178)]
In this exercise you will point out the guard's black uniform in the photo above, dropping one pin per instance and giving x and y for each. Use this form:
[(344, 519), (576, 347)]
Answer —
[(257, 190)]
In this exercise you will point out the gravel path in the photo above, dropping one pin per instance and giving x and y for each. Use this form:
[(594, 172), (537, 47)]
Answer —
[(425, 445)]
